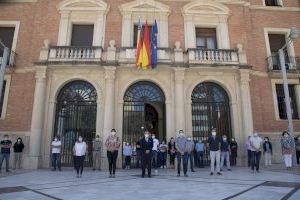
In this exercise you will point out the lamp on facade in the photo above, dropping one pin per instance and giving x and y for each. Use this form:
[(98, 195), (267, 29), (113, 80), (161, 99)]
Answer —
[(295, 33)]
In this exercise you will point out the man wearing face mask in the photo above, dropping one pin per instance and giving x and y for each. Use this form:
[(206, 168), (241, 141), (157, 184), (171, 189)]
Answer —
[(97, 146), (154, 152), (146, 145), (256, 147), (225, 153), (182, 155), (190, 146), (112, 144), (214, 144), (56, 149), (5, 152)]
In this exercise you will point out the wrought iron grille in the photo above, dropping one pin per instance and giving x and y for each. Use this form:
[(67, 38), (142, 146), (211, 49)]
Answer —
[(281, 101), (138, 114), (76, 115), (210, 109)]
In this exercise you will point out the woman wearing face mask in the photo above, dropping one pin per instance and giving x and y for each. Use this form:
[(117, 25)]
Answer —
[(172, 152), (233, 150), (267, 146), (287, 149), (18, 150), (127, 152), (112, 144), (56, 148), (80, 149)]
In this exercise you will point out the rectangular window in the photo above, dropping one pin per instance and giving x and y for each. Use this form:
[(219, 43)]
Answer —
[(82, 35), (281, 101), (277, 41), (273, 3), (206, 38), (2, 97), (135, 31), (7, 37)]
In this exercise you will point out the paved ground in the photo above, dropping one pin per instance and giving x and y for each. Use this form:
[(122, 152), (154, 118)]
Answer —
[(270, 184)]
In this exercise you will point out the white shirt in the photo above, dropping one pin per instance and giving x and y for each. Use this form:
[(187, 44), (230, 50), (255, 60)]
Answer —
[(57, 147), (155, 144), (256, 142), (80, 148)]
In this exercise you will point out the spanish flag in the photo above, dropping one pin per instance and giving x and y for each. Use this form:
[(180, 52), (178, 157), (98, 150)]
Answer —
[(138, 58), (146, 52)]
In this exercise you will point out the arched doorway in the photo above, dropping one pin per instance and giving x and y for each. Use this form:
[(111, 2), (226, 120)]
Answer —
[(76, 111), (210, 109), (143, 109)]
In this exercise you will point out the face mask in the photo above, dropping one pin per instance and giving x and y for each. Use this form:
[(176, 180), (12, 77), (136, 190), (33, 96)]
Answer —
[(232, 140), (153, 136), (113, 133), (19, 141), (127, 144), (189, 139), (255, 134), (181, 133), (6, 138), (286, 135), (80, 139), (55, 139), (97, 138), (224, 139), (214, 133), (200, 141), (146, 135)]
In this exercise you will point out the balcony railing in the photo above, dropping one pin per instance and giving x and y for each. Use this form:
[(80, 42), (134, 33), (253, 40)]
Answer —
[(212, 56), (11, 60), (291, 63), (74, 53)]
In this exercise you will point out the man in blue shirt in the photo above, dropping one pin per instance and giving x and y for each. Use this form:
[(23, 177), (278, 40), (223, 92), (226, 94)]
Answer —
[(200, 152), (225, 153)]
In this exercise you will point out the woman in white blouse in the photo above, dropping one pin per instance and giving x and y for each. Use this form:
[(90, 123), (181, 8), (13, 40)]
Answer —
[(79, 150)]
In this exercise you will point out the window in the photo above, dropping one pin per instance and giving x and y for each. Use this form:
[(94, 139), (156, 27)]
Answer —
[(2, 98), (7, 37), (273, 3), (206, 38), (82, 35), (277, 41), (135, 31), (281, 101)]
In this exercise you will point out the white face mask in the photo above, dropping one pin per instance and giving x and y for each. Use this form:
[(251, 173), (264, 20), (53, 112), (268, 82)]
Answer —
[(97, 138), (224, 139), (255, 134), (214, 133), (153, 136), (80, 139), (19, 141), (286, 135), (55, 139), (181, 133), (113, 133), (189, 139), (6, 138), (146, 135)]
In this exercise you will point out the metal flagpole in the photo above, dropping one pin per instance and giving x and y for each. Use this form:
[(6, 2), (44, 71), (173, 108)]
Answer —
[(3, 65)]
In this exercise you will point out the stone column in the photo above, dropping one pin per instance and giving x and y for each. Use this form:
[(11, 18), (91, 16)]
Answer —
[(63, 28), (37, 118), (126, 30), (179, 99), (247, 120), (297, 91), (109, 104), (190, 40)]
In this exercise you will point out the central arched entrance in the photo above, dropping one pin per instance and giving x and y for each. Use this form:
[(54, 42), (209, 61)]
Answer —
[(76, 115), (210, 109), (143, 109)]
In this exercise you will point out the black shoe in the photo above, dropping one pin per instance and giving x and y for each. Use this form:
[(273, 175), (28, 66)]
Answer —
[(178, 175), (94, 169), (185, 175), (219, 173), (229, 170), (193, 171), (149, 176), (8, 171), (221, 170), (211, 173), (53, 170), (143, 176)]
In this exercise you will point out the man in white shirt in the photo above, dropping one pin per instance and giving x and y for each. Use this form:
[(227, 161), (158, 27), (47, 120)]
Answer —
[(56, 149), (154, 152), (255, 147)]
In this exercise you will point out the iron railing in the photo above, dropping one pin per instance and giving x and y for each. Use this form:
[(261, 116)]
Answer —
[(291, 63), (73, 53), (213, 55)]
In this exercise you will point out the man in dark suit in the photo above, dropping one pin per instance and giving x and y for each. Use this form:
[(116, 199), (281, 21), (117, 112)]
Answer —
[(146, 145)]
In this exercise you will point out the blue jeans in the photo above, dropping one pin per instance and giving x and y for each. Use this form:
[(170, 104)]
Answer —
[(56, 160), (255, 158), (163, 158), (185, 159), (6, 157), (154, 159)]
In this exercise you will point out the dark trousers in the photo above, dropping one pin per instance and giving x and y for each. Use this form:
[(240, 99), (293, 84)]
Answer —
[(112, 161), (298, 156), (163, 158), (172, 158), (191, 158), (154, 159), (138, 158), (56, 160), (146, 162), (6, 157), (184, 158), (78, 163), (255, 158), (233, 160), (127, 160), (200, 159), (249, 158)]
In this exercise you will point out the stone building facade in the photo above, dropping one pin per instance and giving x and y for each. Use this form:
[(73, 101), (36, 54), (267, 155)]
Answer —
[(72, 71)]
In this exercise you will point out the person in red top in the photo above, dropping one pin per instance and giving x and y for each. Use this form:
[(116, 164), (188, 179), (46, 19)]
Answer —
[(112, 144)]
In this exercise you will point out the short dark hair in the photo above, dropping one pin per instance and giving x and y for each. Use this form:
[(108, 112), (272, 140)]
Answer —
[(5, 135), (285, 132), (267, 138), (113, 130)]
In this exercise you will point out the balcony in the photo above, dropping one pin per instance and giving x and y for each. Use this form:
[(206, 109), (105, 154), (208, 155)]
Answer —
[(65, 54), (213, 56), (292, 64), (12, 60)]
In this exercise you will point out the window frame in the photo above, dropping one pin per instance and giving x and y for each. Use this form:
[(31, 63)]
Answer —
[(279, 2), (7, 78), (206, 38)]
